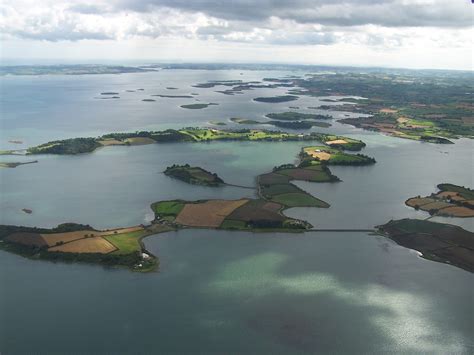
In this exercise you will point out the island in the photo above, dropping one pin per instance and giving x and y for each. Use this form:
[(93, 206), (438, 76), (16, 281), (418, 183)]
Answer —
[(15, 164), (189, 134), (193, 175), (451, 201), (298, 124), (282, 124), (71, 242), (197, 106), (276, 99), (297, 116), (439, 242), (245, 121), (174, 96), (218, 123)]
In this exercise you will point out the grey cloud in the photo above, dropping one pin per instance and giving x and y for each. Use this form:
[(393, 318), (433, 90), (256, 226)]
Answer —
[(390, 13)]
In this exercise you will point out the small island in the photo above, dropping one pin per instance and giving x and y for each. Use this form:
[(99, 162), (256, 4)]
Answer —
[(174, 96), (451, 201), (197, 106), (296, 116), (439, 242), (276, 99), (245, 121), (15, 164), (193, 175)]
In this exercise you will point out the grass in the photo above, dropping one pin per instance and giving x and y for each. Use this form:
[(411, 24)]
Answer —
[(167, 208), (127, 242), (233, 224)]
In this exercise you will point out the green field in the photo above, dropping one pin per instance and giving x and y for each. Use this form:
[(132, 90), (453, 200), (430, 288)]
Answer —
[(127, 242), (299, 200), (167, 208)]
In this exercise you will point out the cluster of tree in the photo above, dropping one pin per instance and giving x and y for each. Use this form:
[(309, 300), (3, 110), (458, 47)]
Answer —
[(66, 146)]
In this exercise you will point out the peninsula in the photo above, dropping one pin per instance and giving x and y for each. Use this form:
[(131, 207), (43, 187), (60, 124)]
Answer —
[(439, 242), (451, 201), (190, 134)]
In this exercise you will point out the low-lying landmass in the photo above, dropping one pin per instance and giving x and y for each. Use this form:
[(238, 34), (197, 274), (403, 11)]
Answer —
[(451, 201), (15, 164), (218, 123), (245, 121), (198, 106), (80, 69), (174, 96), (73, 242), (282, 124), (296, 116), (193, 175), (435, 241), (190, 134), (276, 99)]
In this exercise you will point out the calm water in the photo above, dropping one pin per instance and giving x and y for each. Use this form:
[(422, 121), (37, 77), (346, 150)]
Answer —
[(219, 291)]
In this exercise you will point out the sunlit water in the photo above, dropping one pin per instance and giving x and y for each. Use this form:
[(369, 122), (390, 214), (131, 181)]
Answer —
[(219, 291)]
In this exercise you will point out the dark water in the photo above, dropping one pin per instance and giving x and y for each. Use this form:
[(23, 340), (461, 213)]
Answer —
[(224, 292)]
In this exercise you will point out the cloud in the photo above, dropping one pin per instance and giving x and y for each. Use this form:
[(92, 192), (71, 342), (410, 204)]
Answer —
[(390, 13), (376, 23)]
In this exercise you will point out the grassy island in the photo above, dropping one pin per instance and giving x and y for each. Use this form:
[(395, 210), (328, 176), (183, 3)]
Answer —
[(276, 99), (190, 134), (436, 241), (197, 106), (451, 201), (296, 116), (193, 175), (174, 96)]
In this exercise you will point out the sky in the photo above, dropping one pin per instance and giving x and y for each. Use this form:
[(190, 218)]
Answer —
[(389, 33)]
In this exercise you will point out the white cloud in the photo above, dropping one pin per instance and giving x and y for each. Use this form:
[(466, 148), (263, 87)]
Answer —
[(399, 27)]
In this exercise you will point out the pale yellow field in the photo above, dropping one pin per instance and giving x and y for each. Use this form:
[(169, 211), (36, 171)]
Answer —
[(454, 195), (107, 142), (457, 211), (336, 141), (52, 239), (208, 214), (387, 110), (121, 230), (86, 245), (319, 155), (412, 202), (435, 205)]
